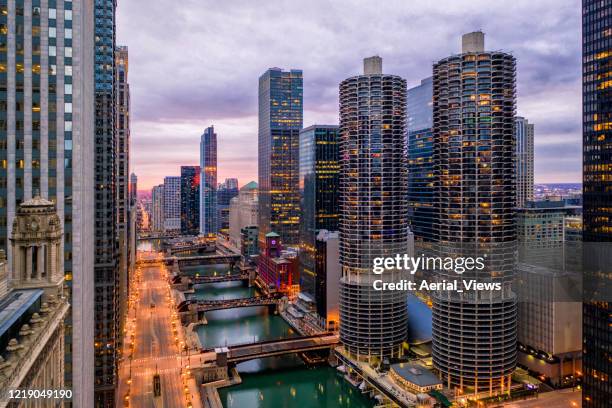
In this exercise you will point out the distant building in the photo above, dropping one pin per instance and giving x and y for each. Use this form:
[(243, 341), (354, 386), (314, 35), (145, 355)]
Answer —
[(420, 161), (172, 204), (190, 200), (225, 193), (157, 215), (277, 267), (280, 122), (133, 189), (327, 279), (319, 183), (243, 212), (524, 161), (208, 182)]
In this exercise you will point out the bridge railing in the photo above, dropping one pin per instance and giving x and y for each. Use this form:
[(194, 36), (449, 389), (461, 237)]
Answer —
[(265, 342)]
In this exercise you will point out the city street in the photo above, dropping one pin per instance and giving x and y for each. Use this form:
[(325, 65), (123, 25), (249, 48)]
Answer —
[(155, 347)]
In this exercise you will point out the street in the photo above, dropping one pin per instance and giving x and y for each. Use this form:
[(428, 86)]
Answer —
[(155, 346)]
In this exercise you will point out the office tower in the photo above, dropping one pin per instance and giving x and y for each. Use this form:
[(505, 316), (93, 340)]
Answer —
[(524, 161), (208, 182), (474, 333), (125, 229), (244, 211), (597, 204), (373, 210), (190, 200), (157, 213), (172, 204), (46, 149), (106, 268), (133, 189), (319, 175), (420, 160), (280, 122), (225, 193), (249, 245)]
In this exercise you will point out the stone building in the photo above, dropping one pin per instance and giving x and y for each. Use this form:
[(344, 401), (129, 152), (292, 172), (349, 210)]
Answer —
[(32, 302)]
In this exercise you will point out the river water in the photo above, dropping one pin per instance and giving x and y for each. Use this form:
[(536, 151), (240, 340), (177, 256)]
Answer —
[(271, 382)]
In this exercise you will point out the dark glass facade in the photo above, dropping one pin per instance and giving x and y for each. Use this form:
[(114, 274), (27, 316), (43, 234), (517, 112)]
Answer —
[(280, 122), (106, 267), (190, 200), (319, 181), (420, 160), (226, 191), (208, 182), (597, 199)]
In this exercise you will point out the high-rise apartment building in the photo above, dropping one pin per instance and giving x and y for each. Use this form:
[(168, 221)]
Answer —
[(243, 212), (280, 122), (597, 201), (190, 200), (208, 182), (106, 268), (420, 160), (373, 210), (46, 149), (524, 161), (225, 193), (157, 213), (474, 334), (172, 204), (319, 181)]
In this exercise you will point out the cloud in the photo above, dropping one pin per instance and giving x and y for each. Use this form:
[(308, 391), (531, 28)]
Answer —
[(197, 62)]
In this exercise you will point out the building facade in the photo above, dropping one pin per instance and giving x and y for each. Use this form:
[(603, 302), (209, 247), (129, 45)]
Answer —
[(172, 204), (243, 212), (373, 211), (190, 200), (225, 193), (319, 181), (280, 121), (420, 161), (46, 148), (474, 334), (277, 267), (157, 213), (133, 189), (208, 182), (524, 161), (597, 201)]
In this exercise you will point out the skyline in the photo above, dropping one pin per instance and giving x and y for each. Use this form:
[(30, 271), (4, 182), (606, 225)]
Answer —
[(219, 87)]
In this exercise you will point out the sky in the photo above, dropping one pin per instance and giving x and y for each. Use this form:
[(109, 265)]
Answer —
[(196, 63)]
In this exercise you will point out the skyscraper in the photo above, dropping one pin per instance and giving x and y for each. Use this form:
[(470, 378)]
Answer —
[(524, 161), (157, 213), (106, 266), (280, 122), (190, 200), (474, 334), (597, 201), (208, 182), (319, 180), (420, 160), (373, 210), (244, 210), (125, 227), (172, 204), (46, 149), (133, 189)]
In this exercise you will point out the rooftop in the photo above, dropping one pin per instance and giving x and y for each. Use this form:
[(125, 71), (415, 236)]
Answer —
[(14, 305), (416, 374)]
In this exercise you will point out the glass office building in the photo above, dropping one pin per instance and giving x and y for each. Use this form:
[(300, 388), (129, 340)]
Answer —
[(208, 182), (280, 122), (420, 160), (190, 200), (319, 180), (597, 201)]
